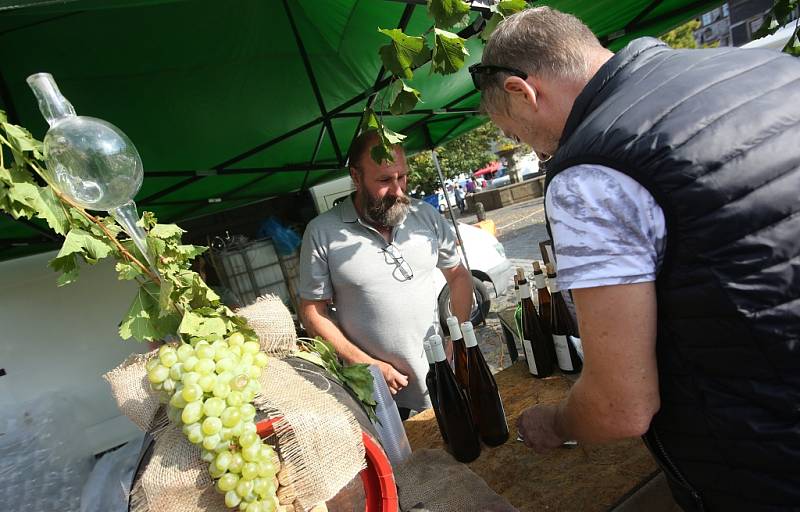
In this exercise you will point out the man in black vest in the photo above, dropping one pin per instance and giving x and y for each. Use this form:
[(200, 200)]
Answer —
[(673, 199)]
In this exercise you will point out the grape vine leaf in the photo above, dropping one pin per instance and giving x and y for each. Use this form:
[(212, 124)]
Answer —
[(166, 231), (194, 324), (447, 13), (127, 271), (383, 151), (68, 268), (402, 98), (84, 243), (143, 321), (509, 7), (22, 141), (448, 52), (403, 53), (491, 25)]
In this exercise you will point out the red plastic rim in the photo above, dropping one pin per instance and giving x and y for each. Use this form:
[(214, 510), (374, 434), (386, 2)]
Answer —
[(378, 478)]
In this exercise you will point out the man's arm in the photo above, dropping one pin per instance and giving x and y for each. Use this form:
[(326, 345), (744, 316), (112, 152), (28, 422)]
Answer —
[(460, 282), (317, 323), (616, 395)]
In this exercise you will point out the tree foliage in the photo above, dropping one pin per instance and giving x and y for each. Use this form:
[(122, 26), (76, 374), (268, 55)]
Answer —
[(780, 15), (464, 154), (683, 36)]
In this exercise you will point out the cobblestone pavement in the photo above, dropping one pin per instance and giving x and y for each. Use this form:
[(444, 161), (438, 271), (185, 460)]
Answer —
[(520, 228)]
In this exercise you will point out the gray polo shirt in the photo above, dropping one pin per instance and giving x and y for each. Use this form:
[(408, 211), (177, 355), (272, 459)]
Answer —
[(379, 308)]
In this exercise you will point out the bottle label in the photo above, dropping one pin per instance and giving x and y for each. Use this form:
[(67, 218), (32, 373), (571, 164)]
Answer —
[(525, 291), (538, 280), (562, 352), (576, 342), (528, 348)]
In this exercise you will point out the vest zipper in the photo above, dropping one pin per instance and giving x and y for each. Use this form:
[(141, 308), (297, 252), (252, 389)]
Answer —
[(674, 469)]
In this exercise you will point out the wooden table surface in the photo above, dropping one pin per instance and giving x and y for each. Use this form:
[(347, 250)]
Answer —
[(585, 478)]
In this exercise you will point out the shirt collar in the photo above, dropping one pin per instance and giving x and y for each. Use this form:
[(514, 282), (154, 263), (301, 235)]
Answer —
[(348, 210)]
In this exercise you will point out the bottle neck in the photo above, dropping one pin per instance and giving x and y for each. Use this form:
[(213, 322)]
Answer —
[(552, 285), (470, 340), (455, 330), (525, 291), (437, 350), (538, 281), (53, 105), (429, 353)]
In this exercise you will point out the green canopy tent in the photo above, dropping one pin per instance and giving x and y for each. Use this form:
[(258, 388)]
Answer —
[(234, 102)]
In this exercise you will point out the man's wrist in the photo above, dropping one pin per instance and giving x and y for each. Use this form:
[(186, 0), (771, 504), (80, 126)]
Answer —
[(559, 425)]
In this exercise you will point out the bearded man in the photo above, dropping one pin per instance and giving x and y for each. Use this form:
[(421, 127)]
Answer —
[(374, 256)]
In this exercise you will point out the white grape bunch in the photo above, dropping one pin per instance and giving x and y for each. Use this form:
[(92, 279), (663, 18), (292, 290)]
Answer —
[(209, 389)]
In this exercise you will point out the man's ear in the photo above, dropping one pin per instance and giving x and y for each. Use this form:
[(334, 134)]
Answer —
[(517, 87), (354, 176)]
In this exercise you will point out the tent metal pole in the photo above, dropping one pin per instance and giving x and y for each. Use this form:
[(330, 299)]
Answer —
[(449, 206), (314, 86)]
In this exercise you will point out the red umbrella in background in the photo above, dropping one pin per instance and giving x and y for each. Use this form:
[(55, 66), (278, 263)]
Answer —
[(490, 168)]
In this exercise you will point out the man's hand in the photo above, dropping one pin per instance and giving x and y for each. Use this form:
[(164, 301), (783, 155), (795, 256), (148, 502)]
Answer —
[(394, 379), (537, 426)]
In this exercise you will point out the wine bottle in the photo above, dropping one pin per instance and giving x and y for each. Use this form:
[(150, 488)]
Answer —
[(539, 350), (487, 407), (430, 381), (459, 352), (544, 296), (462, 435), (563, 328)]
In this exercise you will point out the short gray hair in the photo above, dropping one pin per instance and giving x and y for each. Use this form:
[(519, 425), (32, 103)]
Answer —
[(540, 41)]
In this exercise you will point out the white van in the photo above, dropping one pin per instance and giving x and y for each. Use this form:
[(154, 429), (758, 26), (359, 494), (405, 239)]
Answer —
[(486, 256)]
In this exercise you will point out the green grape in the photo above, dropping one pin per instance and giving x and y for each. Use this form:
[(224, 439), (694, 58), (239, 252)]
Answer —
[(207, 382), (223, 460), (247, 396), (231, 416), (195, 433), (215, 472), (227, 482), (270, 504), (219, 344), (234, 398), (239, 382), (223, 445), (254, 507), (226, 433), (151, 363), (235, 339), (244, 487), (211, 442), (205, 365), (168, 385), (249, 427), (264, 487), (261, 360), (190, 377), (222, 353), (158, 374), (225, 365), (266, 469), (168, 358), (191, 393), (236, 350), (249, 439), (247, 360), (254, 372), (236, 430), (184, 351), (176, 371), (232, 499), (221, 389), (177, 401), (252, 452), (192, 412), (214, 407), (249, 471), (207, 455), (251, 347), (190, 363), (237, 461), (212, 426), (204, 351)]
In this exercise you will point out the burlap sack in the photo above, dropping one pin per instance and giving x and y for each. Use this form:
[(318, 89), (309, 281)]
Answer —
[(131, 390), (273, 324), (432, 480), (320, 440), (176, 479)]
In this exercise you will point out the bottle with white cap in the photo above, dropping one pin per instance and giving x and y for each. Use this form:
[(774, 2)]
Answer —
[(487, 406), (459, 429), (459, 352), (430, 382)]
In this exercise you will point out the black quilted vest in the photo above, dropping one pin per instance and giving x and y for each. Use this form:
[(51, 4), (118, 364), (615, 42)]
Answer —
[(714, 135)]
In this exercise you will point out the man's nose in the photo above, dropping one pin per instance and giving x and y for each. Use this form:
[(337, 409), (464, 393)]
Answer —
[(397, 189)]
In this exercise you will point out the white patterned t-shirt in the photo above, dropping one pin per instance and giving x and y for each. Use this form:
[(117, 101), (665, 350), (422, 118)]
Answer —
[(607, 229)]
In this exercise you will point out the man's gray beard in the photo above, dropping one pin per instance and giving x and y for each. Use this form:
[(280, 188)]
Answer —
[(376, 213)]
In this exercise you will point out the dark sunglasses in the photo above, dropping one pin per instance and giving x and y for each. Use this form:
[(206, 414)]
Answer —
[(480, 72)]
